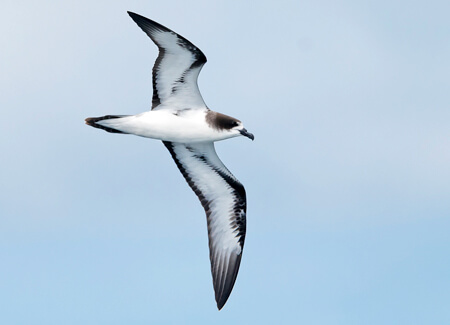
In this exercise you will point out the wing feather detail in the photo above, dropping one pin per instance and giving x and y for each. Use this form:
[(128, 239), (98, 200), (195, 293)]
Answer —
[(224, 200), (176, 69)]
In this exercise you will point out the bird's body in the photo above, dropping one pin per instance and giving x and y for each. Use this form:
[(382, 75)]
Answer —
[(188, 128)]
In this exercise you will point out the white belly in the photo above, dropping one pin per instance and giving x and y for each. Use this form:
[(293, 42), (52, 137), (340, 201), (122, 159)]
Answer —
[(186, 127)]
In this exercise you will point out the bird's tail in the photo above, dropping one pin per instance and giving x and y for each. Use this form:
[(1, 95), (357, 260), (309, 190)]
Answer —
[(94, 122)]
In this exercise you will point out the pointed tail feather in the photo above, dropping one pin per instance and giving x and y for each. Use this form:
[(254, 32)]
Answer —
[(92, 121)]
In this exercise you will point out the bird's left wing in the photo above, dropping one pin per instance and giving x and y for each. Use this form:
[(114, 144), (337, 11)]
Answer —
[(176, 69), (223, 198)]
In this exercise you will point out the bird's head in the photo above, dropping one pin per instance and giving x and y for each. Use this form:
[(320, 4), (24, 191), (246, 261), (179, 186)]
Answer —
[(227, 123)]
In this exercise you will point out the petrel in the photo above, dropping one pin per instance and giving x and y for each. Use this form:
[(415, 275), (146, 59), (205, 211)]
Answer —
[(188, 128)]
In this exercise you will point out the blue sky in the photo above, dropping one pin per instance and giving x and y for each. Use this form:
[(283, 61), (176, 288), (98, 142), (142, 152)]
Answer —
[(347, 179)]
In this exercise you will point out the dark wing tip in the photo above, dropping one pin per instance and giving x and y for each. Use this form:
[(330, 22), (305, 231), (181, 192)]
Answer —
[(224, 278), (220, 304), (136, 16), (147, 25), (150, 26)]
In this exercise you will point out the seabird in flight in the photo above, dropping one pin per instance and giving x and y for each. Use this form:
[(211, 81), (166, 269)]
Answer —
[(188, 128)]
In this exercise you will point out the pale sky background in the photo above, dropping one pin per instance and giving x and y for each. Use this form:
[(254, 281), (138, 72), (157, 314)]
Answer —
[(348, 179)]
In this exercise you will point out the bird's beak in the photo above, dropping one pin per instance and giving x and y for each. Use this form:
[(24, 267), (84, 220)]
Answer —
[(247, 134)]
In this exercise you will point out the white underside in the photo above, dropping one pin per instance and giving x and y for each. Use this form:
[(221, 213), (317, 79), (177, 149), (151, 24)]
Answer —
[(187, 126), (220, 196)]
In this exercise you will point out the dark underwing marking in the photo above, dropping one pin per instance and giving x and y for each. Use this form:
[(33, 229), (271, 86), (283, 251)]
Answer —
[(200, 58), (155, 99), (179, 82), (181, 79), (237, 220), (238, 223)]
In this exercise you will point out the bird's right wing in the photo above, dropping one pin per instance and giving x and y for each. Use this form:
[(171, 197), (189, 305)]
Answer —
[(223, 198), (176, 69)]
